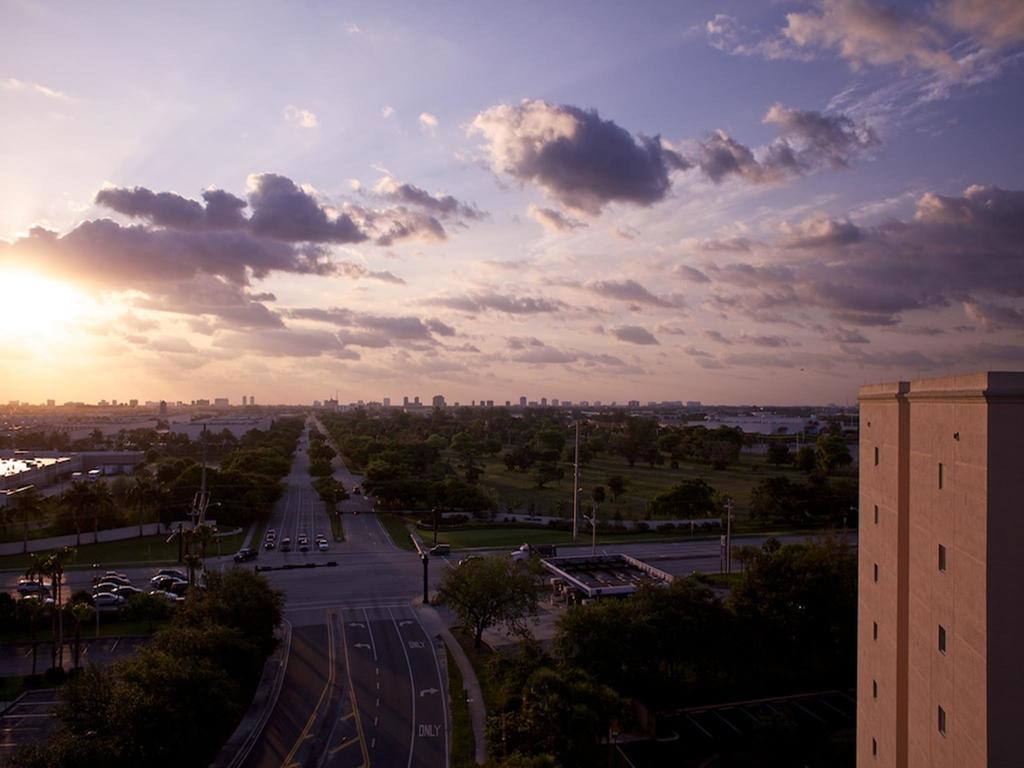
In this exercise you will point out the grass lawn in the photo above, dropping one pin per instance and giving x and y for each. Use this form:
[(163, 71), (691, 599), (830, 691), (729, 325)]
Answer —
[(480, 659), (519, 490), (397, 528), (463, 748), (147, 549)]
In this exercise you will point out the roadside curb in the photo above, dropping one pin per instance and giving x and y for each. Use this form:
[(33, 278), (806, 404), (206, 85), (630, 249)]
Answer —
[(237, 748)]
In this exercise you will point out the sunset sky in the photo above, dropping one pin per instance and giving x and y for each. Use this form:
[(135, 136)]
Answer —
[(733, 202)]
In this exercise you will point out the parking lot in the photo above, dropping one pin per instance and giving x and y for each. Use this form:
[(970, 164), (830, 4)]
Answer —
[(29, 720)]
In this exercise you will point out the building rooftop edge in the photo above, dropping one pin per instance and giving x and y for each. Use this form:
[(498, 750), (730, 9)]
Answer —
[(987, 384)]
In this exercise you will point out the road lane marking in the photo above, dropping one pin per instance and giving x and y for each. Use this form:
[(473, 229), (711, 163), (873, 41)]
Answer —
[(355, 699), (412, 688), (444, 699), (369, 627), (344, 745), (327, 686)]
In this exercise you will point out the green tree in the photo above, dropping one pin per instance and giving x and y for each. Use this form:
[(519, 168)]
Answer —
[(778, 453), (616, 485), (102, 503), (143, 494), (546, 473), (832, 452), (78, 499), (80, 613), (598, 494), (806, 459), (490, 591), (686, 500)]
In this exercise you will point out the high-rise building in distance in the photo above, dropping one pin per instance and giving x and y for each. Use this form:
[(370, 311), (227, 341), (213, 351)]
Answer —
[(940, 681)]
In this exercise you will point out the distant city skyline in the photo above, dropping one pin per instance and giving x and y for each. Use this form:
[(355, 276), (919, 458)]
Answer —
[(728, 202)]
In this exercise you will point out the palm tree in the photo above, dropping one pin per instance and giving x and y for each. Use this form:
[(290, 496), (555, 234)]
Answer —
[(54, 565), (35, 572), (78, 499), (103, 500), (28, 503), (81, 613), (143, 494)]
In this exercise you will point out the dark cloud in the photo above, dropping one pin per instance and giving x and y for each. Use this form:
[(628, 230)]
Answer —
[(627, 290), (580, 159), (370, 330), (956, 250), (286, 342), (498, 302), (167, 209), (718, 337), (283, 211), (634, 334), (808, 142), (444, 206)]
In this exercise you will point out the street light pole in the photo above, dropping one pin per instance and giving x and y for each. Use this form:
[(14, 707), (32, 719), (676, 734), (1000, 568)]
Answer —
[(728, 536), (576, 486)]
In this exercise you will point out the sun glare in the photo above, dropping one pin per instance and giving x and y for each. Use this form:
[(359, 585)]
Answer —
[(35, 308)]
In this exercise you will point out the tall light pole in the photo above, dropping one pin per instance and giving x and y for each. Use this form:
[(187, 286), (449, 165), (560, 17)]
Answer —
[(728, 536), (576, 486)]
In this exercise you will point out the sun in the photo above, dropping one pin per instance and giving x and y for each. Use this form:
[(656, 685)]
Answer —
[(35, 308)]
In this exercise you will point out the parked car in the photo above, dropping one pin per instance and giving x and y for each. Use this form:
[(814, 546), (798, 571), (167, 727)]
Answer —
[(178, 588), (106, 579), (441, 550), (127, 592), (117, 574), (163, 583), (357, 490), (303, 545), (468, 559), (107, 586), (269, 544), (322, 545), (107, 601), (272, 532), (286, 544), (38, 598), (31, 587), (245, 554), (173, 572)]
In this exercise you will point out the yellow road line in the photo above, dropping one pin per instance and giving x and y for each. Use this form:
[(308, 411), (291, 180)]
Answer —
[(340, 747), (355, 700), (287, 762)]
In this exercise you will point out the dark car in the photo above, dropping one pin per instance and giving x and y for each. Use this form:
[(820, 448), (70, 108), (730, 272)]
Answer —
[(269, 544), (286, 544), (245, 554)]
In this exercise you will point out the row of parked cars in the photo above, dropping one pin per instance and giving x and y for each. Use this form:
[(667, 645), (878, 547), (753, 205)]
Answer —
[(113, 589), (302, 542)]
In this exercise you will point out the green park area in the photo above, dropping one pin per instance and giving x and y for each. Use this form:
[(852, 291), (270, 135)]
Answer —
[(519, 489)]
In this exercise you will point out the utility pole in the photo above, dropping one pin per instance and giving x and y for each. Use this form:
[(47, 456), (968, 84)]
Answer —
[(576, 486), (728, 536)]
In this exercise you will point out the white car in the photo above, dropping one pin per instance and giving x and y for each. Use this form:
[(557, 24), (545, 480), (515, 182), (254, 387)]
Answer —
[(322, 545), (107, 601), (169, 596), (30, 587)]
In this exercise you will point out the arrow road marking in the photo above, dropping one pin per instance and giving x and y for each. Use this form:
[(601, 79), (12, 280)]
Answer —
[(361, 645), (425, 691), (357, 624)]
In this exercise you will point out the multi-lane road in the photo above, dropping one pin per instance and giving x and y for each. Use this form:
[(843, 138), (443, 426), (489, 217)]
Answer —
[(363, 683)]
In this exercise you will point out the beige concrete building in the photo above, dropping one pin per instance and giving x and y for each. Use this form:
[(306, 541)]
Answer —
[(940, 678)]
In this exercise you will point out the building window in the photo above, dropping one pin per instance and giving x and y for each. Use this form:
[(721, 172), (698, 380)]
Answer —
[(940, 475), (874, 630), (942, 557), (876, 572), (942, 639), (874, 689), (876, 455), (942, 721), (876, 514), (874, 748)]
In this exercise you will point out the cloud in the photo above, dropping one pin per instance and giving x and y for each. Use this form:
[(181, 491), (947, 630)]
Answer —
[(692, 274), (428, 122), (717, 337), (808, 141), (578, 158), (283, 211), (995, 22), (552, 220), (956, 250), (863, 32), (300, 117), (440, 328), (286, 343), (634, 334), (13, 84), (533, 350), (993, 317), (387, 111), (220, 210), (498, 302), (627, 290), (358, 271), (444, 206)]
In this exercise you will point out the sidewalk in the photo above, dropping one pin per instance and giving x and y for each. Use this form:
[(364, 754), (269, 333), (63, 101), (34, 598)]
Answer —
[(435, 624), (71, 540)]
